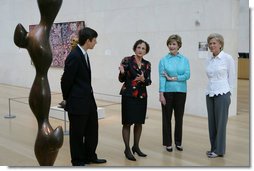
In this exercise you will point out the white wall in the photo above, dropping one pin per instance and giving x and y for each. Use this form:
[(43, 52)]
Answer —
[(244, 33), (119, 24)]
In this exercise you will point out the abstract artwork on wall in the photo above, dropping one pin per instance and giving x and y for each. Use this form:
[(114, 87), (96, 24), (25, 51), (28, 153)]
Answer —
[(60, 40)]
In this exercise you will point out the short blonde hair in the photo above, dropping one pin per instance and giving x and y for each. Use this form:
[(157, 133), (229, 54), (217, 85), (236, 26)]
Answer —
[(218, 37), (175, 37)]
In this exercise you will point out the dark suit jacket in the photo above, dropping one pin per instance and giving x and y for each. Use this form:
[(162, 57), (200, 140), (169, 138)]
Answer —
[(76, 84)]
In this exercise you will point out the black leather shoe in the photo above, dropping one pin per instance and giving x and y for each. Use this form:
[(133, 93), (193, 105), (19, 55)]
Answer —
[(129, 156), (78, 164), (96, 161), (169, 148), (179, 148), (137, 150)]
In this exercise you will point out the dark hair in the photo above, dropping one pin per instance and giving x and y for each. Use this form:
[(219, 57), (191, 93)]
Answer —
[(85, 34), (175, 37), (139, 42)]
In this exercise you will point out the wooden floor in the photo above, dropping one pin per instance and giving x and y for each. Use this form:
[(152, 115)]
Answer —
[(17, 136)]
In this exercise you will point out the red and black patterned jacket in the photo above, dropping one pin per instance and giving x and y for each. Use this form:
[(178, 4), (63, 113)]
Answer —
[(131, 87)]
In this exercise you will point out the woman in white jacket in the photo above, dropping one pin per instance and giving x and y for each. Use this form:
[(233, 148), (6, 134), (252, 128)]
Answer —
[(220, 70)]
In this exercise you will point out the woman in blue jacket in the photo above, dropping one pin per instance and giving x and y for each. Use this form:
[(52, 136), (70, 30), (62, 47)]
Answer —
[(174, 71)]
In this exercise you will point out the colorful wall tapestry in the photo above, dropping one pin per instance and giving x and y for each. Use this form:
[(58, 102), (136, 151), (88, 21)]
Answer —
[(60, 37)]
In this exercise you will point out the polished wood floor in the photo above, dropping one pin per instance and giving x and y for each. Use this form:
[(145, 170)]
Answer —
[(17, 136)]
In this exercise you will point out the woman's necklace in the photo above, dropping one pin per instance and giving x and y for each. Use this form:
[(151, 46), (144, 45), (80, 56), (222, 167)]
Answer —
[(139, 65), (138, 61)]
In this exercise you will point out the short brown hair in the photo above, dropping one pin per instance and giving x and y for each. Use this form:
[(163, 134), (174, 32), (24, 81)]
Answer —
[(139, 42), (175, 37)]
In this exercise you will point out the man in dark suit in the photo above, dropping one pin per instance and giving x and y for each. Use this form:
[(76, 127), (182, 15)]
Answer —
[(80, 103)]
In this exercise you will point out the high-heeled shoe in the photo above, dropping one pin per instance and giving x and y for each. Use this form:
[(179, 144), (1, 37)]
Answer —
[(137, 150), (129, 156)]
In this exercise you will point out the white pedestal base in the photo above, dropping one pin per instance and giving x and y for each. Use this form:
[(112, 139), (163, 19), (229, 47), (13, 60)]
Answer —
[(59, 113)]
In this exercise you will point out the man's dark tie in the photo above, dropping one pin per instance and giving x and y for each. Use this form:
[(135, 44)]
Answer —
[(88, 64), (87, 60)]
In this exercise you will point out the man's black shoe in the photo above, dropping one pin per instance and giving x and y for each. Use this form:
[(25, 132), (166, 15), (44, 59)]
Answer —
[(96, 161), (78, 164)]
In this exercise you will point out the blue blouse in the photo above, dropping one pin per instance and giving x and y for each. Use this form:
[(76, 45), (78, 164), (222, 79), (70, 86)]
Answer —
[(175, 66)]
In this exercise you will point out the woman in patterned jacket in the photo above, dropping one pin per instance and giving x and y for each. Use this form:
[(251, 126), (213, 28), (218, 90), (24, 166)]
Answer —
[(135, 74)]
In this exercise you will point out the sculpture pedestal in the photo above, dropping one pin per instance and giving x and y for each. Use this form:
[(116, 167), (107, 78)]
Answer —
[(60, 113)]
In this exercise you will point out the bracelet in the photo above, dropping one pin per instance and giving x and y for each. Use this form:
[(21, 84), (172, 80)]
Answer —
[(174, 78)]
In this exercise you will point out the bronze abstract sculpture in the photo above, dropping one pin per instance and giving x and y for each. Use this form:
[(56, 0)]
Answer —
[(48, 141)]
